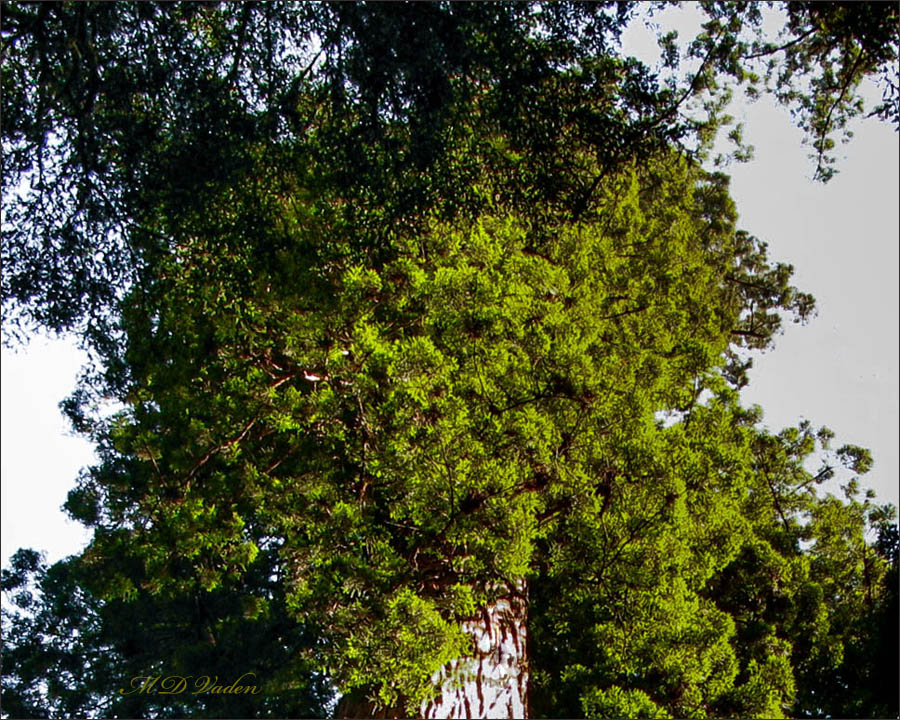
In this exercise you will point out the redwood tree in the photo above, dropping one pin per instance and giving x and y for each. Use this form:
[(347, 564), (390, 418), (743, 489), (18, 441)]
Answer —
[(427, 354)]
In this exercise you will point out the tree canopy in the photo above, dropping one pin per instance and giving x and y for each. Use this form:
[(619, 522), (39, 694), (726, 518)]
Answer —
[(111, 108), (400, 328)]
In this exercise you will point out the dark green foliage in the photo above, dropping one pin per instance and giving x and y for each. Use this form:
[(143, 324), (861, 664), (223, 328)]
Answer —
[(772, 628), (67, 653), (814, 66), (860, 678), (111, 108)]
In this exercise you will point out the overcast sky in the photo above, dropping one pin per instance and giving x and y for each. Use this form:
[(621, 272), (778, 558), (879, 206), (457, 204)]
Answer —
[(841, 370)]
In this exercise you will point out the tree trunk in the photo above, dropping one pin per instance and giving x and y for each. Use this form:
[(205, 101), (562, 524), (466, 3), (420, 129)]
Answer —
[(492, 683)]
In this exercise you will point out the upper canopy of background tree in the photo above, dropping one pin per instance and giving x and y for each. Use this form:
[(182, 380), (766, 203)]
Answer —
[(109, 107)]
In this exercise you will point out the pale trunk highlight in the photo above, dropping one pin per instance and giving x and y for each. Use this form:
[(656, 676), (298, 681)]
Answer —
[(492, 683)]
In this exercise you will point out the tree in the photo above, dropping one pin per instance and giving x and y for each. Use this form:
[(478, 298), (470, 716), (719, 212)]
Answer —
[(393, 356), (414, 439)]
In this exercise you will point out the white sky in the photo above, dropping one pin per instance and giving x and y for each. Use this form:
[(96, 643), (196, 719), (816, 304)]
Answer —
[(39, 459), (841, 370)]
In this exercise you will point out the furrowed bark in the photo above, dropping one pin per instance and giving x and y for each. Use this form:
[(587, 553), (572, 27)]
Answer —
[(493, 682)]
